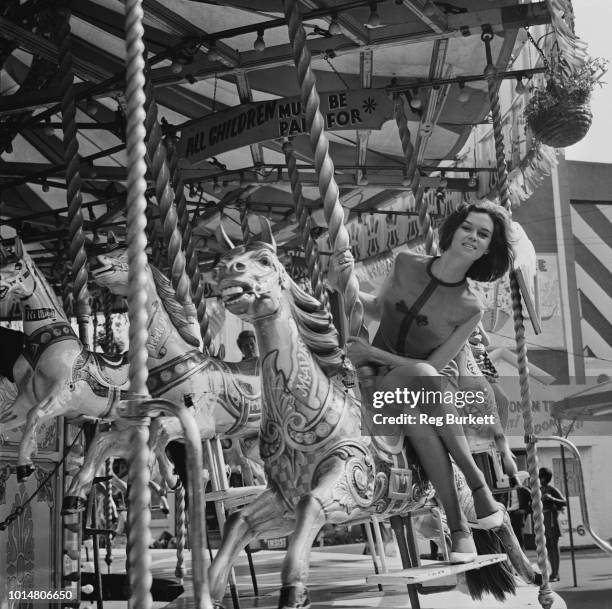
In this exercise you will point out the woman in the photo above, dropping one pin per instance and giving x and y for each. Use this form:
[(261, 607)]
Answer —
[(427, 312)]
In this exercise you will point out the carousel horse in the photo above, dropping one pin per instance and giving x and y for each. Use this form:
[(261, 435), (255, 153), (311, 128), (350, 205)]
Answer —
[(320, 468), (54, 374), (225, 396)]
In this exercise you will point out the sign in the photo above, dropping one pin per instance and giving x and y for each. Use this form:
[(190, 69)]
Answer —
[(272, 119)]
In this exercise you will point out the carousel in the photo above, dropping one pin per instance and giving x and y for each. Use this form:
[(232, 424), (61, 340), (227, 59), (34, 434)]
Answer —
[(191, 169)]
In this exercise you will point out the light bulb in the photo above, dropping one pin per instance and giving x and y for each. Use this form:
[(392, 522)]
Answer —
[(259, 44), (334, 27), (464, 95), (91, 107), (176, 67), (374, 18), (472, 182), (520, 86)]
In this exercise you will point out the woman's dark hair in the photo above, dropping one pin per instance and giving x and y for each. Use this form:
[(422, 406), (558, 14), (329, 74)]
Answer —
[(497, 261), (545, 474)]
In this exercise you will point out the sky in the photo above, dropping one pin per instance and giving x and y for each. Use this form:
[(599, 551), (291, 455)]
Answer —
[(593, 20)]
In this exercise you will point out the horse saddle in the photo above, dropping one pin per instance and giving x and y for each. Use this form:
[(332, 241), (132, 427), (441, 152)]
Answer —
[(113, 370)]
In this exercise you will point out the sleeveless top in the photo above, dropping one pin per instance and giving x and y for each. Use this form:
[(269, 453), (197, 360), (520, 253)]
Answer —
[(420, 312)]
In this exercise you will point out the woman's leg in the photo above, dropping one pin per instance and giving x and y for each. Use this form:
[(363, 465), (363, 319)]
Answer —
[(435, 461), (423, 376)]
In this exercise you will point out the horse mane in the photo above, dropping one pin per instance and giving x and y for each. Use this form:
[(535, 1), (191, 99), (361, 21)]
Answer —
[(41, 281), (317, 329), (180, 315)]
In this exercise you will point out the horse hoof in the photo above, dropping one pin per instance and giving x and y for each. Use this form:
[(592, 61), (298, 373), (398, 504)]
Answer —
[(217, 605), (73, 504), (24, 472), (294, 597)]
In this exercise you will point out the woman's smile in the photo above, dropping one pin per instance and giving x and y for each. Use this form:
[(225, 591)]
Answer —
[(473, 236)]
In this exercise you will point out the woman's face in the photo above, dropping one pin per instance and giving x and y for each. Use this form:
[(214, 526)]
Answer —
[(473, 236)]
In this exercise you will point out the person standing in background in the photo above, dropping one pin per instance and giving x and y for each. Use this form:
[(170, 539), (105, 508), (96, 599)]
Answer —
[(553, 502)]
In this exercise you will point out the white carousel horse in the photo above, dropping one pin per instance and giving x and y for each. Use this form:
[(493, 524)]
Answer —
[(54, 374), (225, 396), (320, 468)]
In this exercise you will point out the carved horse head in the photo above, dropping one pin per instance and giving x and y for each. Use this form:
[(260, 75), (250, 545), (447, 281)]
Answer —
[(17, 281)]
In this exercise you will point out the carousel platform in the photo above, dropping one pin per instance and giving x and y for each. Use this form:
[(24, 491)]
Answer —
[(337, 579)]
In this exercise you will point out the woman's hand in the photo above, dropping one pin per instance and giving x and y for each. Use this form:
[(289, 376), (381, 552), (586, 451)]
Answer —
[(360, 352), (338, 263)]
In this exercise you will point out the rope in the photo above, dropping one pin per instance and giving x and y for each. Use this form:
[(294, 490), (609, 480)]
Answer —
[(545, 595), (191, 257), (80, 268), (165, 198), (139, 515), (180, 528), (315, 123), (412, 173), (311, 251)]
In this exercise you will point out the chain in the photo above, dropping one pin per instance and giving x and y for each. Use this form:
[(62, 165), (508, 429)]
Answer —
[(535, 44), (327, 56), (20, 508)]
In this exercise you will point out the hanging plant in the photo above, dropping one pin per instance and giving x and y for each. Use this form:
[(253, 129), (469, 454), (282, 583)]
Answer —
[(559, 114)]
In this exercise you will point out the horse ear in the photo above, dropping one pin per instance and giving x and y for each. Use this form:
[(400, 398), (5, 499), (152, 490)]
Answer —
[(266, 232), (223, 239), (19, 249)]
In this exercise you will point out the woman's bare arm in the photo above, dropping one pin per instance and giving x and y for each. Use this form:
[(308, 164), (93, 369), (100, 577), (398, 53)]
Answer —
[(441, 356)]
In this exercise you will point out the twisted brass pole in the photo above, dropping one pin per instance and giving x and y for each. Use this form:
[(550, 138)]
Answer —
[(180, 526), (78, 257), (165, 198), (139, 515), (414, 175), (311, 251), (191, 257), (315, 124)]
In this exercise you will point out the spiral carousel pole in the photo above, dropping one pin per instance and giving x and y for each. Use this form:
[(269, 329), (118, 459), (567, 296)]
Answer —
[(545, 596), (414, 175), (244, 223), (315, 124), (311, 251), (80, 274), (191, 257), (135, 410), (165, 197), (139, 496)]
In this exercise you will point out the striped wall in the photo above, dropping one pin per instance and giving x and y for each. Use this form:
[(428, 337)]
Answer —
[(592, 236)]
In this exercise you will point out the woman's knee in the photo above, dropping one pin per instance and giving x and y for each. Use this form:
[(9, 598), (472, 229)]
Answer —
[(420, 375)]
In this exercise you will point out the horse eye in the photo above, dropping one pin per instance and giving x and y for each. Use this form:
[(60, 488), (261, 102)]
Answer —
[(18, 266), (265, 261)]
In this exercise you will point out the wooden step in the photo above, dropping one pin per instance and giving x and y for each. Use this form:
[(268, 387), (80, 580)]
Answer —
[(434, 570)]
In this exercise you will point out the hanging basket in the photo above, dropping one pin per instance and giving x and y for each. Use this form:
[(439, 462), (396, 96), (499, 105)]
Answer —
[(562, 124)]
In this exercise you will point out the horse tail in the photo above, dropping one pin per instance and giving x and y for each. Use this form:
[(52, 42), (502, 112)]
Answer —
[(497, 579)]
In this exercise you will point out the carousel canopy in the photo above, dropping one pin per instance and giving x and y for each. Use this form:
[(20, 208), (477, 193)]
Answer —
[(226, 95)]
